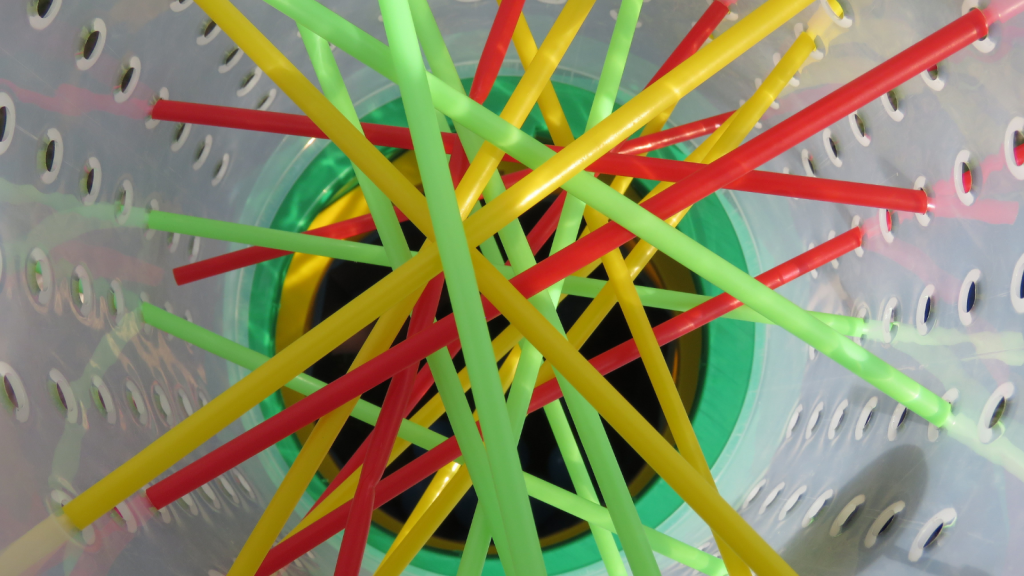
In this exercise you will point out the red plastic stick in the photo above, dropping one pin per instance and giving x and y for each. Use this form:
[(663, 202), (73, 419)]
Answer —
[(716, 307), (382, 438), (279, 123), (495, 48), (694, 39), (665, 138), (799, 127)]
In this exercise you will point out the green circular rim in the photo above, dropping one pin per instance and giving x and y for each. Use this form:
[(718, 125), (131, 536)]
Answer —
[(727, 357)]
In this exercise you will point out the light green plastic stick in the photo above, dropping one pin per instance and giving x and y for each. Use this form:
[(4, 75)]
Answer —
[(250, 359), (513, 501), (267, 237), (380, 206), (521, 258)]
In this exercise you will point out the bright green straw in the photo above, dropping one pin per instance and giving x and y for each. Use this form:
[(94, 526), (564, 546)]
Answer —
[(251, 360), (397, 248), (682, 301), (510, 489), (645, 225), (267, 237), (521, 258), (598, 516)]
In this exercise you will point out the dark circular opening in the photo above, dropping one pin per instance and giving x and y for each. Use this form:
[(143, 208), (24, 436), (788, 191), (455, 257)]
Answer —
[(972, 295), (179, 131), (43, 7), (49, 155), (860, 125), (218, 168), (927, 309), (810, 164), (832, 145), (263, 101), (934, 535), (966, 178), (997, 413), (97, 398), (231, 54), (893, 100), (58, 396), (869, 418), (90, 180), (126, 79), (537, 448), (209, 28), (933, 72), (12, 397), (888, 523), (90, 44), (248, 78), (200, 149), (3, 123), (903, 417)]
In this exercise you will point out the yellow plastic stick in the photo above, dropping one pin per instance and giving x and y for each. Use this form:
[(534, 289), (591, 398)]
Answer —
[(651, 446), (534, 81), (314, 450)]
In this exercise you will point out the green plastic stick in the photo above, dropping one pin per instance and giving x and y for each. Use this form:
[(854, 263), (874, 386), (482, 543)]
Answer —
[(599, 516), (513, 501), (521, 258), (251, 359), (333, 86), (388, 227), (267, 237), (682, 301)]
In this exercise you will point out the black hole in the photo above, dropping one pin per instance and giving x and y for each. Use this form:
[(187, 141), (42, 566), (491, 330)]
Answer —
[(887, 524), (126, 79), (903, 417), (810, 163), (997, 414), (933, 72), (972, 295), (217, 168), (210, 27), (9, 389), (263, 101), (60, 397), (90, 180), (867, 420), (832, 145), (97, 398), (200, 149), (248, 78), (860, 125), (967, 178), (842, 416), (230, 55), (934, 535), (3, 122), (51, 153), (43, 7), (893, 101), (927, 308), (90, 44), (179, 132)]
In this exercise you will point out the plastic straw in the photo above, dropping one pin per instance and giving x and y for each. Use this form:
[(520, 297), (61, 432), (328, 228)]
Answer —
[(255, 254), (267, 237), (495, 49), (451, 241), (675, 135)]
